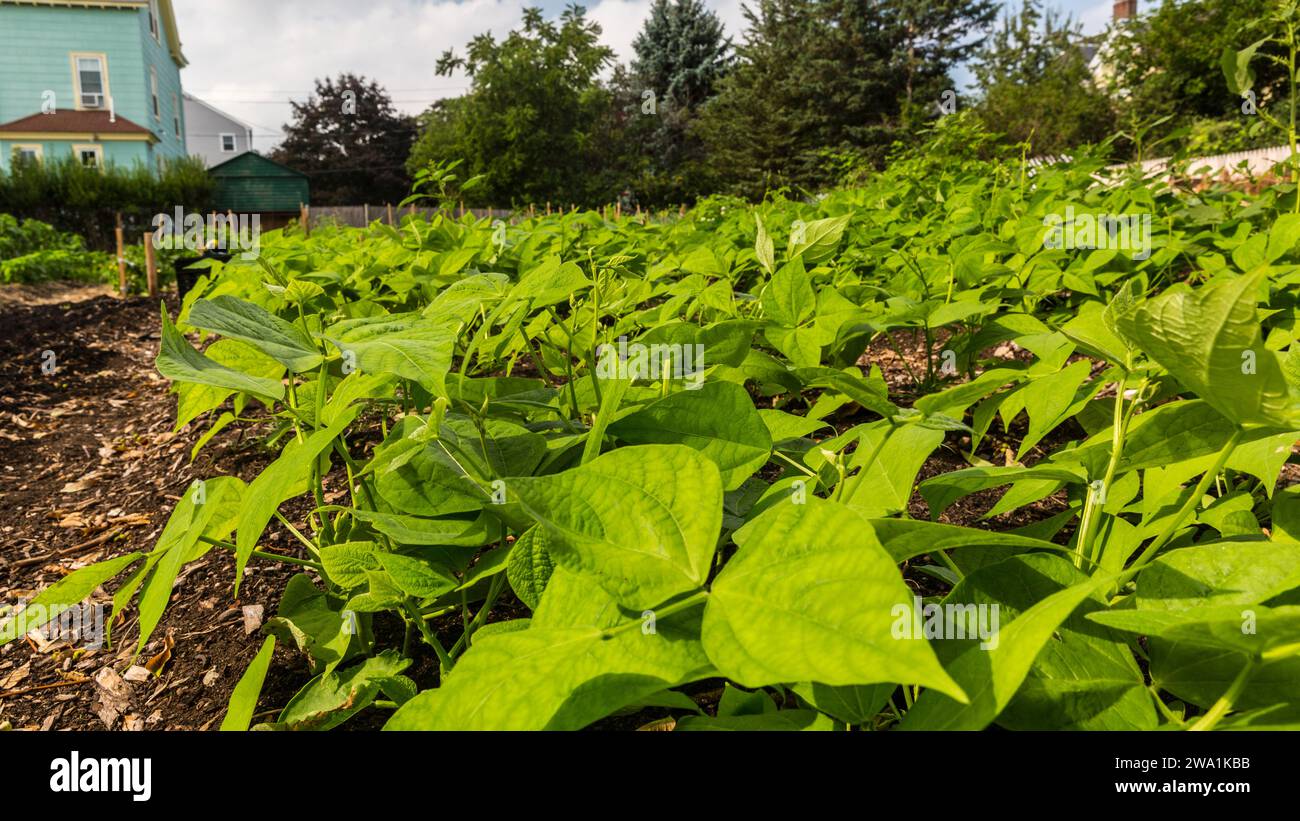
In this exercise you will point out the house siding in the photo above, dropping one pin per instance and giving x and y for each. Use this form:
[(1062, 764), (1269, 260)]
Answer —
[(203, 127), (36, 44)]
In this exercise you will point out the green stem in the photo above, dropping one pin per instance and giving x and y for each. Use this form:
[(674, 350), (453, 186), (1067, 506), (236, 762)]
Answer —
[(262, 554), (1192, 501), (444, 661), (1221, 707)]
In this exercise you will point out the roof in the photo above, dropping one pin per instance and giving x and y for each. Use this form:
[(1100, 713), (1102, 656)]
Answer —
[(210, 107), (252, 164), (165, 10), (67, 121)]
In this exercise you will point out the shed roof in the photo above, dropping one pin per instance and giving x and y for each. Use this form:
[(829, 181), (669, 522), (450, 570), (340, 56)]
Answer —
[(252, 164)]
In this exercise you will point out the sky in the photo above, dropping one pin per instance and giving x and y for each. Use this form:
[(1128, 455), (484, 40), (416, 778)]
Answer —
[(250, 57)]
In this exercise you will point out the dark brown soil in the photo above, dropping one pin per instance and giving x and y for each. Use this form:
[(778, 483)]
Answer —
[(91, 470)]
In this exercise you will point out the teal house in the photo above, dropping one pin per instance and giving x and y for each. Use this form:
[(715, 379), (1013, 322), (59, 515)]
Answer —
[(98, 81)]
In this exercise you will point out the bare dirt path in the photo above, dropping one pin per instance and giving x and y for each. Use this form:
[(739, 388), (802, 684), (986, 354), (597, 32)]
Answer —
[(90, 469)]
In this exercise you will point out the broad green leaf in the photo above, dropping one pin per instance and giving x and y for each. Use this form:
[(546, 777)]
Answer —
[(789, 299), (855, 704), (718, 420), (1217, 574), (405, 345), (416, 577), (450, 531), (530, 566), (335, 696), (245, 321), (817, 240), (1283, 236), (1210, 340), (179, 362), (992, 676), (346, 563), (891, 456), (580, 659), (905, 539), (643, 520), (815, 575)]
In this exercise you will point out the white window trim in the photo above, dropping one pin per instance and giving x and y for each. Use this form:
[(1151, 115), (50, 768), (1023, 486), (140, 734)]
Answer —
[(153, 93), (155, 21), (77, 148), (76, 79), (234, 142), (37, 148)]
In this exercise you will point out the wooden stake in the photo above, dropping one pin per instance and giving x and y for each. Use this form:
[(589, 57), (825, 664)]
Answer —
[(365, 213), (390, 213), (121, 260), (304, 218), (531, 213), (548, 208), (150, 267)]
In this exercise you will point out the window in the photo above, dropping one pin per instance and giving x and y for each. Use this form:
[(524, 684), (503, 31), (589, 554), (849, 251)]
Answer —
[(90, 76), (153, 20), (29, 152), (153, 92), (176, 117), (227, 143), (89, 155)]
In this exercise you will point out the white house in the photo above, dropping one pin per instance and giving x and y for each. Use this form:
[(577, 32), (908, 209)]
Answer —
[(214, 135)]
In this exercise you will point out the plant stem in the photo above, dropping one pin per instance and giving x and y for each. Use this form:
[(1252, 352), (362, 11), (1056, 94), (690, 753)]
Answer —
[(1221, 707), (1192, 501), (262, 554)]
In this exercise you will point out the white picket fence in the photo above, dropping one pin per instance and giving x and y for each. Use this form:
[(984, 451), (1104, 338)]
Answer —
[(1257, 162)]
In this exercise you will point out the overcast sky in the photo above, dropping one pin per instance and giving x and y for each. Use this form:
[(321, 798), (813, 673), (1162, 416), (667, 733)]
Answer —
[(248, 57)]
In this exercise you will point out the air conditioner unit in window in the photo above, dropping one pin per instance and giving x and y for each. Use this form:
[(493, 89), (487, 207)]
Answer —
[(92, 100)]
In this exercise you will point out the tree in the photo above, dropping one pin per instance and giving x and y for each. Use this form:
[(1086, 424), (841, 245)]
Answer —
[(820, 77), (681, 52), (936, 36), (681, 55), (350, 140), (1036, 85), (1166, 62), (526, 122)]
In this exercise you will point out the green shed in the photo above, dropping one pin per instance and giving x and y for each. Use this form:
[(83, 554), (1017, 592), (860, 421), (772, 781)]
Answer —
[(252, 184)]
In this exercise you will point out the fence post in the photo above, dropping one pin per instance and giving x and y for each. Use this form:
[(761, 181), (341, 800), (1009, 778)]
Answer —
[(121, 260), (150, 266)]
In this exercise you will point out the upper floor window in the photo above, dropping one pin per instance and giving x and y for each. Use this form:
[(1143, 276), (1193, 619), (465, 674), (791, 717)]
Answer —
[(153, 92), (228, 143), (153, 20), (91, 74)]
